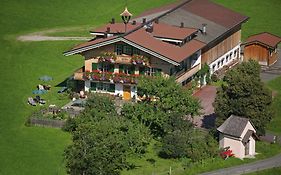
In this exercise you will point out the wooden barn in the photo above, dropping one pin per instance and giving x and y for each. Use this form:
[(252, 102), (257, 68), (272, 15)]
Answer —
[(262, 48)]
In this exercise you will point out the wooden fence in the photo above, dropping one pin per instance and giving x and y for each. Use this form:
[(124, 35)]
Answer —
[(46, 122)]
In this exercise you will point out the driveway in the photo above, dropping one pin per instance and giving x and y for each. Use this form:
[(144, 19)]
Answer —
[(206, 96), (250, 167)]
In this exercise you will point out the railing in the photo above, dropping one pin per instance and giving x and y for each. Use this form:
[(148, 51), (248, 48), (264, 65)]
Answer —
[(110, 77), (183, 76), (124, 59)]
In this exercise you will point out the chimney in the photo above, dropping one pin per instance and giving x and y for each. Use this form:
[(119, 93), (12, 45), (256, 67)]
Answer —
[(143, 20), (182, 25), (157, 21), (204, 29), (108, 30), (149, 28), (134, 22), (113, 21)]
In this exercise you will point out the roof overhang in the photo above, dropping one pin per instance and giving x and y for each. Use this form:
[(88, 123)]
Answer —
[(101, 44), (258, 42)]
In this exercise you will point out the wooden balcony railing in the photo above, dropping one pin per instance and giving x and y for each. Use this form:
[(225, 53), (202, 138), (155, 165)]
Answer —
[(187, 74)]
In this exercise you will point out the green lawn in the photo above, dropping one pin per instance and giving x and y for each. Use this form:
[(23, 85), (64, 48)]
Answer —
[(275, 124), (35, 150), (162, 166), (264, 15), (273, 171)]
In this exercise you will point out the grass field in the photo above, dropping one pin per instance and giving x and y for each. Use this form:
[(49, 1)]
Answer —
[(35, 150)]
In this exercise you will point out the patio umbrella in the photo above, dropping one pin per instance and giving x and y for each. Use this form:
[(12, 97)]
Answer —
[(39, 92), (46, 78)]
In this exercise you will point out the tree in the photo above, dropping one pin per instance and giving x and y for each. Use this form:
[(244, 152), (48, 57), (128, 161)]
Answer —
[(102, 140), (185, 141), (171, 100), (244, 94)]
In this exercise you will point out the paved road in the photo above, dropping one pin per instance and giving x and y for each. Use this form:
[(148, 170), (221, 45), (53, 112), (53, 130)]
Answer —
[(248, 168)]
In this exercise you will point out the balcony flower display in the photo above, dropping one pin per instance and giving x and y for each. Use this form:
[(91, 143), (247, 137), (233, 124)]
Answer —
[(107, 57), (87, 75), (140, 60)]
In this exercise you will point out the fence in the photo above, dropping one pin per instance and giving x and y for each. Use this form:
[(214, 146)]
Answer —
[(46, 122)]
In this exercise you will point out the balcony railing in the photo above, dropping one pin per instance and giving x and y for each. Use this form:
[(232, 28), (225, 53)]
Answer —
[(123, 59), (110, 77), (185, 75)]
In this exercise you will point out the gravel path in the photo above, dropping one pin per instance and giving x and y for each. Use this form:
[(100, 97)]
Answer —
[(43, 35)]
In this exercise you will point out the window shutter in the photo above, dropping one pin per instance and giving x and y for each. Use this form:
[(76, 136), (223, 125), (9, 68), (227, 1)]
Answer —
[(111, 68), (121, 68), (94, 66), (142, 70), (132, 70)]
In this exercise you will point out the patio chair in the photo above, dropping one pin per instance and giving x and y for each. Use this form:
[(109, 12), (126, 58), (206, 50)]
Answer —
[(31, 101), (39, 100)]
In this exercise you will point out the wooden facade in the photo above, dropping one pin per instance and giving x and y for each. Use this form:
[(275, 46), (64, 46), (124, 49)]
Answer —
[(221, 48), (262, 54)]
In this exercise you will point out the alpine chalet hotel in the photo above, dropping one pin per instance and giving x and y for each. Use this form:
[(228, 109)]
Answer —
[(174, 40)]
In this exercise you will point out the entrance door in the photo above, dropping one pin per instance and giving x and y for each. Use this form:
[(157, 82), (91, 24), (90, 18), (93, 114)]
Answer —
[(126, 92), (247, 147)]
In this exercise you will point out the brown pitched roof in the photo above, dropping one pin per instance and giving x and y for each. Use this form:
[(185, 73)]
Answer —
[(233, 126), (265, 38), (116, 28), (92, 42), (173, 32), (159, 9), (214, 12), (175, 53)]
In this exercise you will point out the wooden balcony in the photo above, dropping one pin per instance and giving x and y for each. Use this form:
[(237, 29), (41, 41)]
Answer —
[(187, 74), (123, 59)]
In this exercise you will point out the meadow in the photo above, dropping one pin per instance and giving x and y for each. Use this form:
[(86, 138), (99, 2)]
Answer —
[(36, 150)]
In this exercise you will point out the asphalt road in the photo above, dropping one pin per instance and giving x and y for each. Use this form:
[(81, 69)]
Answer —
[(248, 168)]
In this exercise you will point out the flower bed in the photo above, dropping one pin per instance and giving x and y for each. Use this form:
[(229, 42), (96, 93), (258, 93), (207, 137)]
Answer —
[(107, 57)]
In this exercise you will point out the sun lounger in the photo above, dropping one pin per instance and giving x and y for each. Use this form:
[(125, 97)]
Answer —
[(31, 101), (39, 100)]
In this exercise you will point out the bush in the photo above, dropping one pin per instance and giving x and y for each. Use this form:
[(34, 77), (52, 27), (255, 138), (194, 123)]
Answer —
[(215, 77)]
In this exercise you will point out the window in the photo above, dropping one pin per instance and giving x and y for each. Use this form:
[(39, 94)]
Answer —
[(119, 49), (235, 53), (218, 65), (230, 55), (127, 69), (127, 49), (152, 71), (93, 86), (227, 58), (104, 67), (102, 87), (136, 51)]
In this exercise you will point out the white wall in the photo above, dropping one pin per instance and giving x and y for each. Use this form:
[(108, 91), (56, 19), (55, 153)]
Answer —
[(87, 86), (235, 145), (118, 89)]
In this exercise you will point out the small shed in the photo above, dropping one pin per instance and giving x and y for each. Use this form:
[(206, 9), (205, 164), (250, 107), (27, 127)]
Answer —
[(262, 48), (239, 134)]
